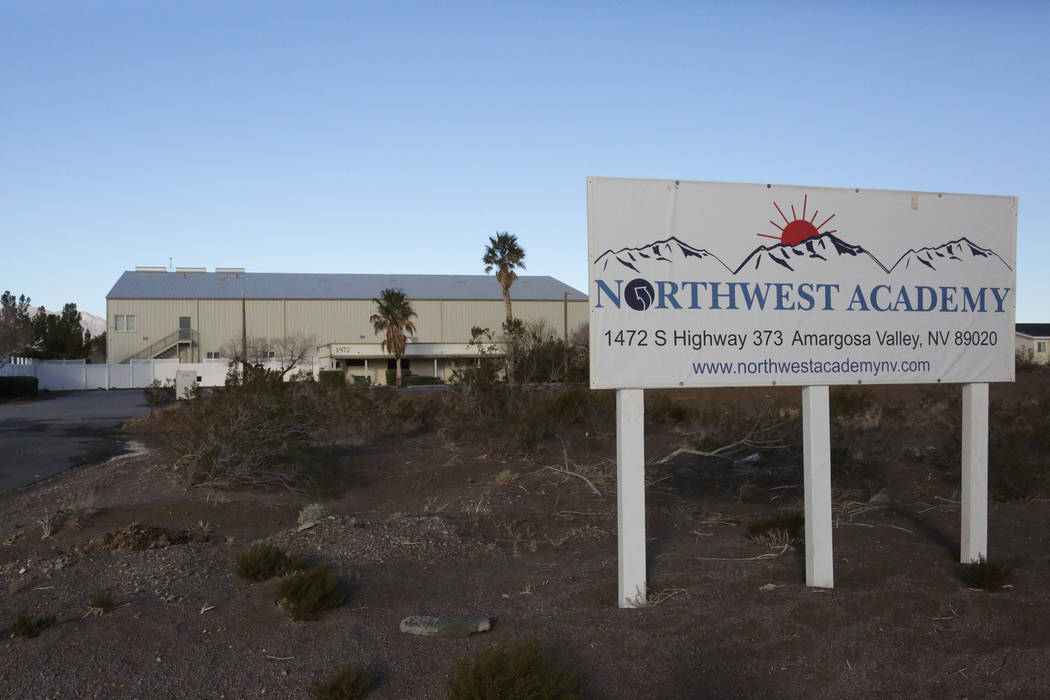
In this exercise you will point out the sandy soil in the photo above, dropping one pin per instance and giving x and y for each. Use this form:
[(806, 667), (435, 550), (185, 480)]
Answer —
[(424, 528)]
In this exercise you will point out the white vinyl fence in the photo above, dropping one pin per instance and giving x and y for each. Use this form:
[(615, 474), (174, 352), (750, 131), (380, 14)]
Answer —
[(76, 375)]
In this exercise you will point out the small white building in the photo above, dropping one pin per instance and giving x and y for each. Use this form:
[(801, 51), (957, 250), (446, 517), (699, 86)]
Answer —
[(1033, 342), (193, 315)]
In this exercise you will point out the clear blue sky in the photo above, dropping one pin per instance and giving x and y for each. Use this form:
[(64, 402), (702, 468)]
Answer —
[(354, 136)]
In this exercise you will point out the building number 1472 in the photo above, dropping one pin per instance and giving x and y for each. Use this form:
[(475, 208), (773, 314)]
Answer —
[(627, 337)]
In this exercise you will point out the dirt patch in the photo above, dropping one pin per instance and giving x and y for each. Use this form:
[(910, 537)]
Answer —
[(139, 537), (417, 526)]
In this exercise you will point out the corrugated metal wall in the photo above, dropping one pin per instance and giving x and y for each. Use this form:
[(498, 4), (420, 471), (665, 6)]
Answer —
[(218, 321)]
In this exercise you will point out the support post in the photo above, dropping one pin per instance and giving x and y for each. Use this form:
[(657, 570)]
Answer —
[(974, 537), (816, 446), (630, 496)]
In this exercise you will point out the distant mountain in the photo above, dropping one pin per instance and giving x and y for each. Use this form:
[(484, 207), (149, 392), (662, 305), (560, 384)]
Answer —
[(812, 252), (670, 251), (89, 322), (952, 255), (95, 324)]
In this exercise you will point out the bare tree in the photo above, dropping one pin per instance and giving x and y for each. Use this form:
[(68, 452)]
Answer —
[(581, 336), (257, 350), (289, 352), (293, 351)]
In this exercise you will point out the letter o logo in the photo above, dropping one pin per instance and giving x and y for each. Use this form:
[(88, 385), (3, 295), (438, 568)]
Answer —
[(639, 294)]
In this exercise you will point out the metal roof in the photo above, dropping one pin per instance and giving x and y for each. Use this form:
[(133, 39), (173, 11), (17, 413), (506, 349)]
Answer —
[(1036, 330), (289, 285)]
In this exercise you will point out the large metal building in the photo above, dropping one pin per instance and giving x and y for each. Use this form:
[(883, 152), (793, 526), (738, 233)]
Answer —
[(196, 316)]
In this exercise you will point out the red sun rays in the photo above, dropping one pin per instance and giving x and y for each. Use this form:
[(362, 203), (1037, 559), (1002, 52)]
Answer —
[(797, 229)]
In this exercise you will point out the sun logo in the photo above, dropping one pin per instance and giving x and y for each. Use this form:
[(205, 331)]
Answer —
[(797, 229)]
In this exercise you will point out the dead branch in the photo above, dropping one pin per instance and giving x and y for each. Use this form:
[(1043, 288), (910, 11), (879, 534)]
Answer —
[(760, 557), (568, 472), (757, 438)]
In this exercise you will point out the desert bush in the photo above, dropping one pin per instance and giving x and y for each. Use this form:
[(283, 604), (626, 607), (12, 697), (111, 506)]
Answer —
[(525, 671), (101, 602), (540, 356), (306, 594), (1019, 440), (515, 418), (18, 387), (49, 522), (592, 409), (661, 409), (791, 522), (78, 508), (263, 561), (987, 574), (849, 401), (348, 683), (29, 626), (310, 515), (1023, 362), (250, 377), (159, 395), (256, 435)]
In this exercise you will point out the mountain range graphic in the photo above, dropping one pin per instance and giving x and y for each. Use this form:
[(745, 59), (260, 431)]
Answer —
[(804, 257)]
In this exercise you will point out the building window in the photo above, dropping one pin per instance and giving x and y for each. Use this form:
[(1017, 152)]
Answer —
[(214, 355), (124, 322), (1040, 346)]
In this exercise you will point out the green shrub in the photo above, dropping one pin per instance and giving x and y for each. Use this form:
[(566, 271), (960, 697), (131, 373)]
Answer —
[(158, 395), (391, 376), (18, 387), (307, 594), (986, 574), (264, 561), (791, 522), (421, 380), (349, 683), (525, 671), (27, 626), (332, 378)]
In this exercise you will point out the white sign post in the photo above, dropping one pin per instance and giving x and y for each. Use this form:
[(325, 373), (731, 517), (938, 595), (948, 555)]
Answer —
[(974, 501), (630, 497), (816, 476), (696, 284)]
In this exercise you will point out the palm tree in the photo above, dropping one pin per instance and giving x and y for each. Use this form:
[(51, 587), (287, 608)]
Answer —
[(393, 316), (504, 254)]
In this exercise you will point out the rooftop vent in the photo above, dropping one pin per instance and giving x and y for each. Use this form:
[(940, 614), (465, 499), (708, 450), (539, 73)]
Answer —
[(151, 269), (193, 270)]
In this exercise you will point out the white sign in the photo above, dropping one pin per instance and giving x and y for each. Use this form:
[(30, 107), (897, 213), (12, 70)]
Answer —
[(723, 284)]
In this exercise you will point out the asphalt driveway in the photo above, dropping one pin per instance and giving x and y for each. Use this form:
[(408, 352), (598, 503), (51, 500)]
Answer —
[(46, 436)]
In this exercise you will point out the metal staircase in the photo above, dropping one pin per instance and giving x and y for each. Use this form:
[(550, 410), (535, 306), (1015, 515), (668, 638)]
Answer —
[(169, 345)]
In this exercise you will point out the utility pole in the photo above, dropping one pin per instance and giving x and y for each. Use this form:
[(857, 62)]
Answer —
[(565, 358), (244, 337)]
